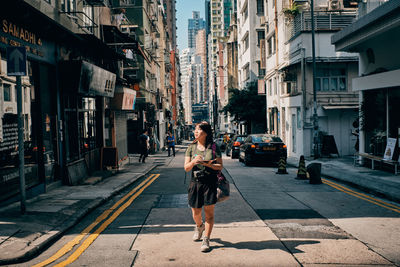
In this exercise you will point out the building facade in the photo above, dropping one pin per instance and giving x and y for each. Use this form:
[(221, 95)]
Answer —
[(194, 25), (289, 76), (378, 83)]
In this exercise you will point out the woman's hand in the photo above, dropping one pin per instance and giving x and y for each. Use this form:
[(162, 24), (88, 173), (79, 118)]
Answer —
[(215, 164)]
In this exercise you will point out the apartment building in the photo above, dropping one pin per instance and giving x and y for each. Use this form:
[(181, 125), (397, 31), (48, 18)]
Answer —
[(374, 37), (289, 76)]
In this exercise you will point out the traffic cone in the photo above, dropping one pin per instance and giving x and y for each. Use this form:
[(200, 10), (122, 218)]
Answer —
[(302, 171), (282, 165)]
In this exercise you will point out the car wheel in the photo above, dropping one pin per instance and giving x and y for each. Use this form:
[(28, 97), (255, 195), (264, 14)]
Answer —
[(246, 160)]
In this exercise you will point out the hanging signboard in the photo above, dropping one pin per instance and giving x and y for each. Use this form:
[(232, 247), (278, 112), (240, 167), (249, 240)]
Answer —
[(390, 147), (261, 87)]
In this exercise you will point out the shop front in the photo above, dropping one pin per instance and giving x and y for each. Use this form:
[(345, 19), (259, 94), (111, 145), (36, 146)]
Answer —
[(39, 110), (122, 111), (86, 90)]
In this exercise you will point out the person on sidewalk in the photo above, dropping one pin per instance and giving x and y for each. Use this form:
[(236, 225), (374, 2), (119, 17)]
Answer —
[(203, 158), (144, 146), (171, 144)]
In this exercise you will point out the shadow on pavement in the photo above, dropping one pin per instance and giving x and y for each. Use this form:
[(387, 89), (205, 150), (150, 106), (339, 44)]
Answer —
[(262, 245)]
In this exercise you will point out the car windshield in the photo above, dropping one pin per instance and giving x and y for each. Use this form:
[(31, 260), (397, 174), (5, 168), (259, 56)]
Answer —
[(240, 138), (266, 139)]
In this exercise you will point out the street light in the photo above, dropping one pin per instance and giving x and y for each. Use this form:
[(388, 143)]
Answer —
[(315, 115), (215, 120)]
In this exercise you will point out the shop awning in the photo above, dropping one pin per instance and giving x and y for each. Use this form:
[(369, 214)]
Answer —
[(341, 107)]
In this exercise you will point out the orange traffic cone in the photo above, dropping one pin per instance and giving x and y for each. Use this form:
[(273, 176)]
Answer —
[(302, 171)]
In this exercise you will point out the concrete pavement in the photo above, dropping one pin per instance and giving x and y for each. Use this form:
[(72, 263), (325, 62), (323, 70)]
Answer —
[(239, 232), (51, 214), (378, 182)]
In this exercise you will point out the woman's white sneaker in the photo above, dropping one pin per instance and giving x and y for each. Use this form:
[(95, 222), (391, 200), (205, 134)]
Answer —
[(198, 232), (205, 246)]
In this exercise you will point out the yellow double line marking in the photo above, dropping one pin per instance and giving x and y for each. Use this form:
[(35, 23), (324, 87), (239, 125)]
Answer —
[(69, 246), (363, 196)]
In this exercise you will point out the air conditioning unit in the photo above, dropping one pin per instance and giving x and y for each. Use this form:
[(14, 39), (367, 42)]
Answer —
[(335, 4)]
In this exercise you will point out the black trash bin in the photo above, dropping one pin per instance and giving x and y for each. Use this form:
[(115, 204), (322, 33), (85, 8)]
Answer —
[(314, 170)]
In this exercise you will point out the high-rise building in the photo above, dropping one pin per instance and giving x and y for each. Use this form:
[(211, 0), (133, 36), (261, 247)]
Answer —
[(216, 30), (194, 25), (169, 7), (207, 16), (185, 59), (201, 51)]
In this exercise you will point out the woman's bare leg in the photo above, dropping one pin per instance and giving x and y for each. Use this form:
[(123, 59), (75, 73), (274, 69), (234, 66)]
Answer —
[(209, 213), (196, 213)]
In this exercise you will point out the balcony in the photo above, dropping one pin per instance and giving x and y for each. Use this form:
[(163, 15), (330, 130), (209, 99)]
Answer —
[(324, 21), (82, 20)]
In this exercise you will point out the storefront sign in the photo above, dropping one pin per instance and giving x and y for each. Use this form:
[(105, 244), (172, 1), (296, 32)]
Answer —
[(129, 99), (96, 81), (261, 87), (390, 147), (13, 34)]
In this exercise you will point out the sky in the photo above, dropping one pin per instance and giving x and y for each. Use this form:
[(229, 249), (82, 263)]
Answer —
[(184, 12)]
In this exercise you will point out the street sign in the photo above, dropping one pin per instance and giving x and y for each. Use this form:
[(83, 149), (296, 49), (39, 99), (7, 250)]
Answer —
[(16, 61)]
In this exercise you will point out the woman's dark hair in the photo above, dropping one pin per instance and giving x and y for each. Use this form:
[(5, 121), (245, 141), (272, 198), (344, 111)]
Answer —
[(206, 127)]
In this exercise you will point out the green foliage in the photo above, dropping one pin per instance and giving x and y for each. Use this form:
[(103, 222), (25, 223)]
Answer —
[(292, 11), (246, 105)]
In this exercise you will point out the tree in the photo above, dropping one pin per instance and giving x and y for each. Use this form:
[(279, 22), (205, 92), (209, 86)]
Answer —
[(246, 105)]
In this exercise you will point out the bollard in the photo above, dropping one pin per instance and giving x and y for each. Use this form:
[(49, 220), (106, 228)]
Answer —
[(282, 165), (302, 171), (314, 169)]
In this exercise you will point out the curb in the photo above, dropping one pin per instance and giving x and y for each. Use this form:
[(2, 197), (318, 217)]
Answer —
[(358, 186), (48, 239)]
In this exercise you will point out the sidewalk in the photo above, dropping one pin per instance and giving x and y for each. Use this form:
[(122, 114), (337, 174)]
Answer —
[(381, 183), (51, 214)]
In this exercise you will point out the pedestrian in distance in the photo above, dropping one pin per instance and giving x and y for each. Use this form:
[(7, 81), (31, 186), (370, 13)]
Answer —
[(144, 146), (171, 144), (203, 158)]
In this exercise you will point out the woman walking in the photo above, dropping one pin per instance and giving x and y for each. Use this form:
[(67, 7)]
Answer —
[(203, 158)]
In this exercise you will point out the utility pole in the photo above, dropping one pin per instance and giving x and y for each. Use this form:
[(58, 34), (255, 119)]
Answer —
[(315, 115), (215, 120)]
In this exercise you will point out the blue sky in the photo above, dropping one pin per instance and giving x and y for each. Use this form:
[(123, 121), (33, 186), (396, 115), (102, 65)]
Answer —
[(184, 12)]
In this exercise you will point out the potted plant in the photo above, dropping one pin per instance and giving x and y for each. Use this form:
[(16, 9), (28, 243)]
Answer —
[(292, 11)]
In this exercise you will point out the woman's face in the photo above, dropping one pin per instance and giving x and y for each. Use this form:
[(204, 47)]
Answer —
[(199, 133)]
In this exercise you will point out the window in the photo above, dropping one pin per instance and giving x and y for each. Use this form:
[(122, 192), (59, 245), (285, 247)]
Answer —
[(298, 110), (260, 7), (261, 72), (127, 2), (331, 79), (271, 45), (7, 92), (260, 36), (68, 5), (246, 42), (245, 13), (270, 86), (246, 72)]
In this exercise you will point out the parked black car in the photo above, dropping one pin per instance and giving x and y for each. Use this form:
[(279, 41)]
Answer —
[(262, 148), (233, 147)]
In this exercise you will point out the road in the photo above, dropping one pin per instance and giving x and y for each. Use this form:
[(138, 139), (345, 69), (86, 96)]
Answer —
[(270, 220)]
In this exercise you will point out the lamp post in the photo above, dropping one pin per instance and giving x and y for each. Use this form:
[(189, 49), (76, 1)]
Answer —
[(215, 113), (315, 115)]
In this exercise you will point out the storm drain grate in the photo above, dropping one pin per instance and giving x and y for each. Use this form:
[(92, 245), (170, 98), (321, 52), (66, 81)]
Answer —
[(173, 201)]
